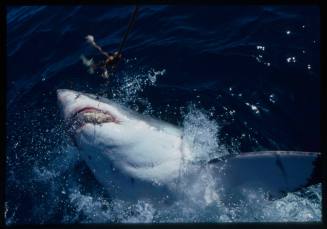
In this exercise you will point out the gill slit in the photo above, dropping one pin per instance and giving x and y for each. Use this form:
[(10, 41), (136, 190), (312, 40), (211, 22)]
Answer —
[(181, 166)]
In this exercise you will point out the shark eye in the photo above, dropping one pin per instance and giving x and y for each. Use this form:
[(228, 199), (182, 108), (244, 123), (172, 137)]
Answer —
[(97, 98)]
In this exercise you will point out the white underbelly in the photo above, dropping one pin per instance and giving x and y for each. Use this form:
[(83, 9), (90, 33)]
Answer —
[(120, 185)]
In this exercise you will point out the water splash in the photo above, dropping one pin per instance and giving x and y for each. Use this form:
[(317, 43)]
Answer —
[(202, 134), (93, 208), (131, 84)]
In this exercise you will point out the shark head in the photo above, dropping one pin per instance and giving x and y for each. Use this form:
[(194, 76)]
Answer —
[(111, 138), (91, 119)]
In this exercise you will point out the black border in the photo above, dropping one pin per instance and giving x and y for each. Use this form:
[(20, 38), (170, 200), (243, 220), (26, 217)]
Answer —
[(323, 113)]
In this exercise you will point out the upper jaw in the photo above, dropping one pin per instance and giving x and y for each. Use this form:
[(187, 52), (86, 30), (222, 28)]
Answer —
[(78, 110), (93, 115)]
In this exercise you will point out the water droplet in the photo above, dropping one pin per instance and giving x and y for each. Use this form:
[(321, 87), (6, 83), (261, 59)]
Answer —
[(272, 98), (231, 112), (259, 47), (288, 32), (309, 67), (259, 58), (253, 107), (291, 59)]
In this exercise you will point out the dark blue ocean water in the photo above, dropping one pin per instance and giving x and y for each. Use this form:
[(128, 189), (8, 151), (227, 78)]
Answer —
[(251, 72)]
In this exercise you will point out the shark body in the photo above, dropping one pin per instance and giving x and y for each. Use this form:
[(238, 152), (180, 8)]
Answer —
[(135, 156)]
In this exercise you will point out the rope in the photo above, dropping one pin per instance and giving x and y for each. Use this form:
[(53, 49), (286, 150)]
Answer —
[(131, 22)]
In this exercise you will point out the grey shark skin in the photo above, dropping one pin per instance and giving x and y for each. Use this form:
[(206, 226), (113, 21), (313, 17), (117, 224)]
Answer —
[(134, 156), (273, 172)]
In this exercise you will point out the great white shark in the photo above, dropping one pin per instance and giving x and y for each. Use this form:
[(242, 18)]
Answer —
[(135, 156)]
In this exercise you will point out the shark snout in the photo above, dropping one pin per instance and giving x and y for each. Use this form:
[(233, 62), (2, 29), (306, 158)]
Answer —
[(65, 95), (72, 103), (66, 101)]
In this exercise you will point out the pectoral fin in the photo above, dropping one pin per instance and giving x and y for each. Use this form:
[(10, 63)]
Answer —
[(274, 172)]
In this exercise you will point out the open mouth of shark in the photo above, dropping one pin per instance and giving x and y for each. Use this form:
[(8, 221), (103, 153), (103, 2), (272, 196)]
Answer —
[(90, 115)]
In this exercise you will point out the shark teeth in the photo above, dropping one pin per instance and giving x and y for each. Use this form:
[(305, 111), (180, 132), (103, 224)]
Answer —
[(96, 117), (89, 115)]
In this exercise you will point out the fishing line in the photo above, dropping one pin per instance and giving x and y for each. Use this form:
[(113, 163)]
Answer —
[(123, 42), (130, 24)]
